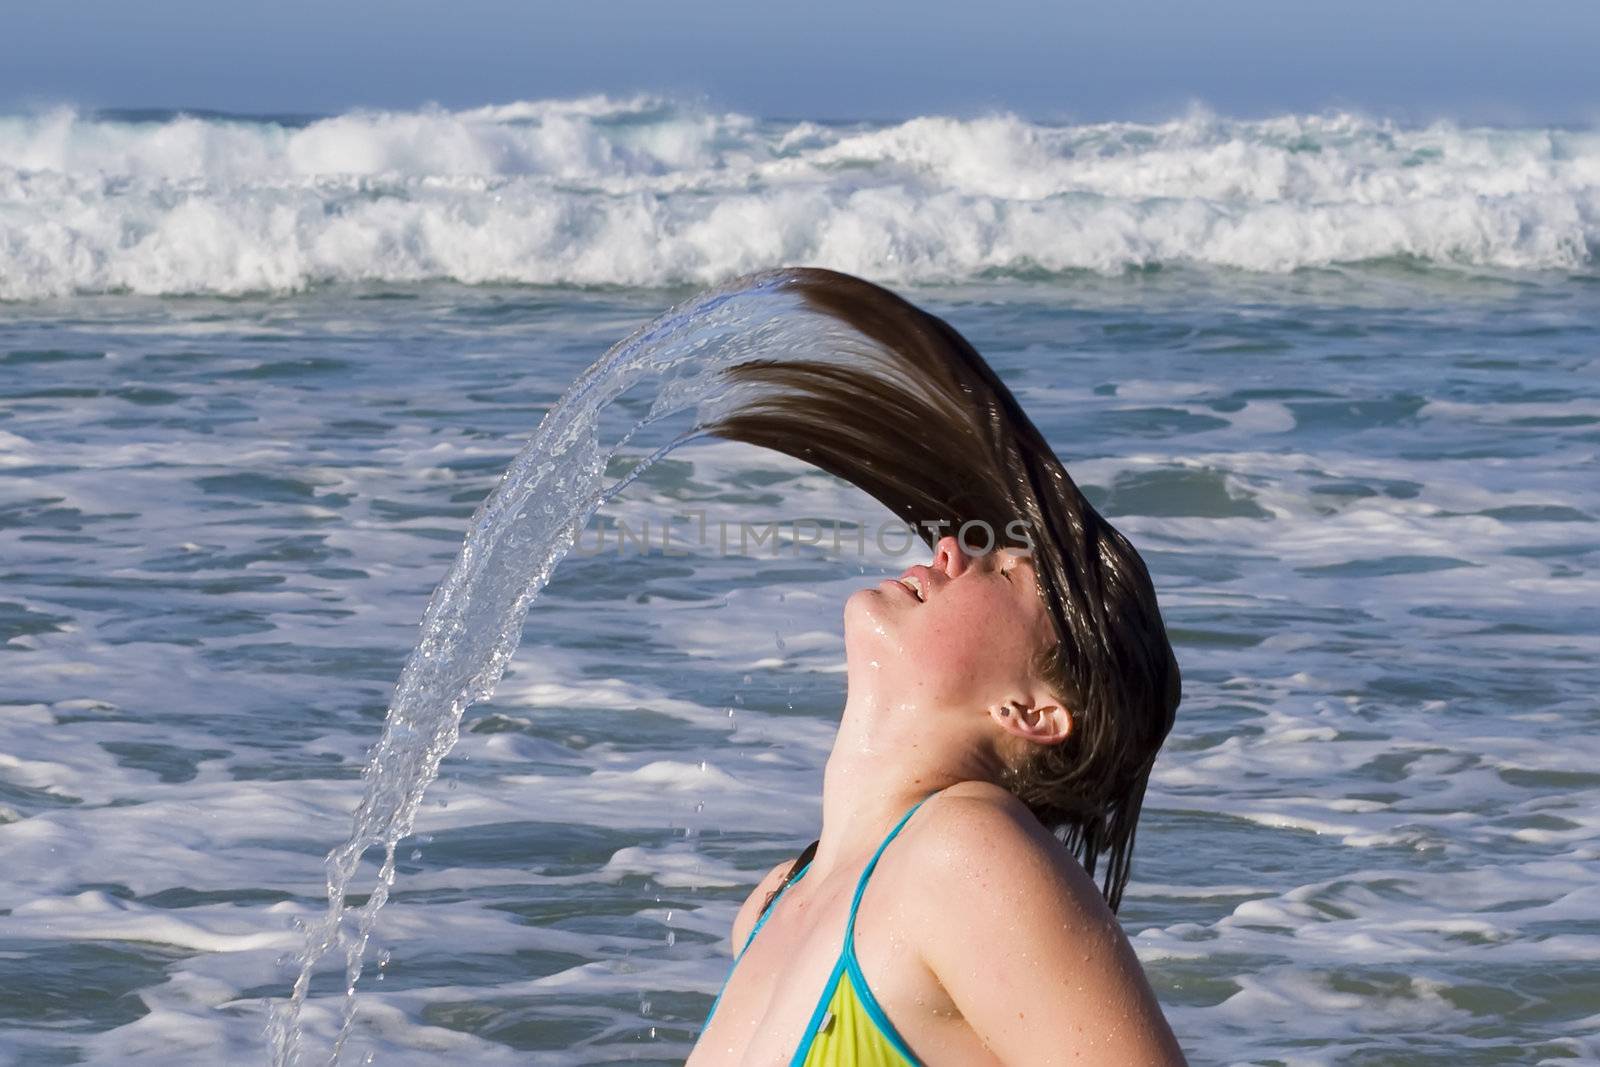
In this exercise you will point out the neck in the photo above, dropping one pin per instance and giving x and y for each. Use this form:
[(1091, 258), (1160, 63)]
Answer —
[(884, 760)]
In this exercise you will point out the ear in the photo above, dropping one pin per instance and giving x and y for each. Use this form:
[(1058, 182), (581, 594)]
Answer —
[(1041, 721)]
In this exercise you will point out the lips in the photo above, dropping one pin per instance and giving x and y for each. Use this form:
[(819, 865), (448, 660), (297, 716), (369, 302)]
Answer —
[(902, 587), (918, 581)]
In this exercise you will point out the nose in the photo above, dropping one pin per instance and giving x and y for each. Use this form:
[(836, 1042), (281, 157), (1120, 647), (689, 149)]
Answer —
[(949, 558)]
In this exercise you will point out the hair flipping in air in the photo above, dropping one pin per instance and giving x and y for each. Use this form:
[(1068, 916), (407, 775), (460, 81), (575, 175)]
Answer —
[(915, 417)]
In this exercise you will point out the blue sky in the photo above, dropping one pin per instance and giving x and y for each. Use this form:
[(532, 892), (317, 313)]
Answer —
[(1497, 61)]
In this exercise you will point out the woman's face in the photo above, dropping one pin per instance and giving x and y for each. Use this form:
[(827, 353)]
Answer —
[(966, 638)]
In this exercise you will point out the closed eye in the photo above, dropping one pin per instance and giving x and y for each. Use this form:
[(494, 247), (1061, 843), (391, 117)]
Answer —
[(1012, 564)]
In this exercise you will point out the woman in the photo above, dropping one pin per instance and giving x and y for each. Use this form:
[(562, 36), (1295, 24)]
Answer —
[(1004, 707)]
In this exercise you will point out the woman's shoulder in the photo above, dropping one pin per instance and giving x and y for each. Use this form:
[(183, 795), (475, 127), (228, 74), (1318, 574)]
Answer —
[(750, 910), (973, 830), (979, 807), (1018, 935)]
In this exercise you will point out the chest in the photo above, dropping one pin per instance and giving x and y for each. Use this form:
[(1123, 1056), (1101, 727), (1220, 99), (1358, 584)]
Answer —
[(774, 991)]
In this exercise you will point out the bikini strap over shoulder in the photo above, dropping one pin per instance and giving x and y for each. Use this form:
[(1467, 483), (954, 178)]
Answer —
[(796, 869), (861, 884), (766, 909)]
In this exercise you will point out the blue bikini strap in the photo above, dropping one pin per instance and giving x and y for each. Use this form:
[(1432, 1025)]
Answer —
[(762, 918), (855, 902), (861, 884)]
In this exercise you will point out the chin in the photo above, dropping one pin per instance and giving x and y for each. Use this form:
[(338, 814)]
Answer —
[(858, 608), (866, 617)]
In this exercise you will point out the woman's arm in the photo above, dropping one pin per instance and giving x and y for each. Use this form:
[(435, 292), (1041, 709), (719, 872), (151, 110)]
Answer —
[(1022, 941)]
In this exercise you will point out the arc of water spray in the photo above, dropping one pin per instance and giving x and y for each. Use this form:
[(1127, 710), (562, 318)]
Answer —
[(473, 621)]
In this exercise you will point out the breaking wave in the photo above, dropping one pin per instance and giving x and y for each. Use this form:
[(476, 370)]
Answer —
[(652, 192)]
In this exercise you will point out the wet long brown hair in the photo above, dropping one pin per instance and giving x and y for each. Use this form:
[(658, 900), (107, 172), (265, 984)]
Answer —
[(913, 415)]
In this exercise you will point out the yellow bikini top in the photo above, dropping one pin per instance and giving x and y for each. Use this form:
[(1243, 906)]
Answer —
[(848, 1027)]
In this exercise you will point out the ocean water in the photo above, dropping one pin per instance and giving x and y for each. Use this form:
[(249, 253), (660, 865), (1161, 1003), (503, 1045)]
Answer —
[(1338, 379)]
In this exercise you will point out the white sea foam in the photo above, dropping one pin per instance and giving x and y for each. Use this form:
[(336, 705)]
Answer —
[(1374, 833), (639, 191)]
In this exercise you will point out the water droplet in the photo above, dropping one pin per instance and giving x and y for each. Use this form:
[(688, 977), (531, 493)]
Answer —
[(681, 351)]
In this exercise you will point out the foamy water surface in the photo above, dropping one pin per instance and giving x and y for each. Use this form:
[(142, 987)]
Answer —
[(1367, 492), (645, 191)]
